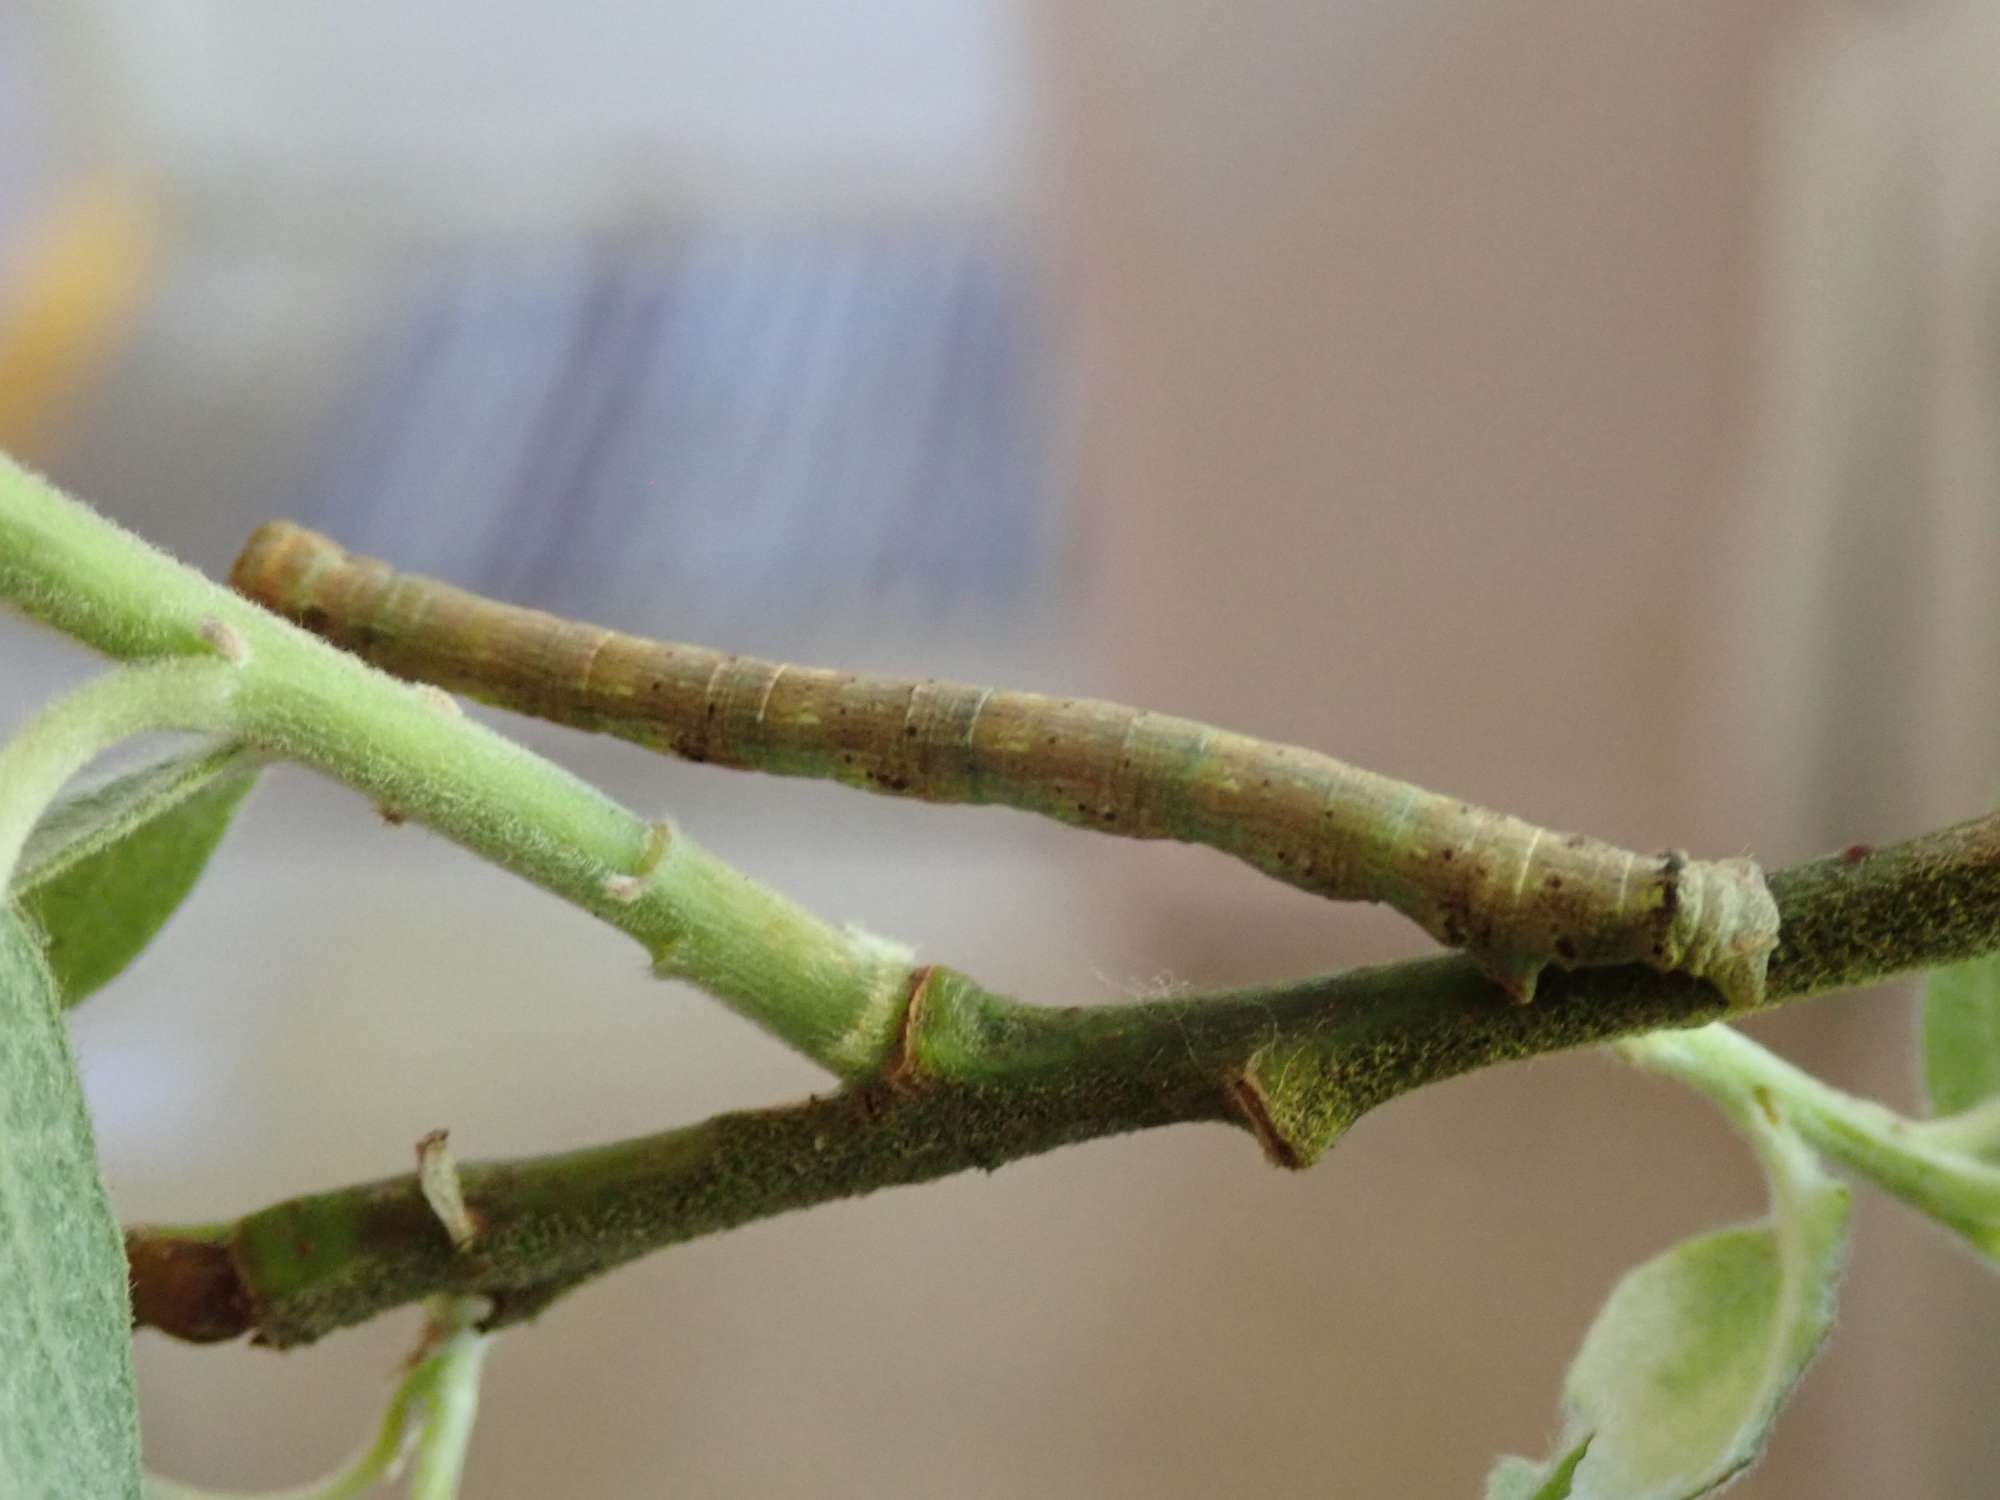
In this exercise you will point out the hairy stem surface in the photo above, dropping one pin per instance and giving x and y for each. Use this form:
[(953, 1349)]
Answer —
[(979, 1080), (833, 995), (71, 732)]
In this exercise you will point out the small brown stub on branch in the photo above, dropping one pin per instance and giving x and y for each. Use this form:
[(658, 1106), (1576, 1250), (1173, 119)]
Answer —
[(1247, 1095), (437, 1176), (188, 1289), (901, 1065)]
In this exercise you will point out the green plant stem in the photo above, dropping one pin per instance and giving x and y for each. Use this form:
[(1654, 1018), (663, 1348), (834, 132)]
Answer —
[(834, 995), (432, 1405), (71, 732), (1515, 896), (1925, 1163), (979, 1081), (1971, 1132), (451, 1400)]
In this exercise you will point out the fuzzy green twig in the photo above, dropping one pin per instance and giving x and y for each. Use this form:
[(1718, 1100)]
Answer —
[(980, 1081), (834, 995)]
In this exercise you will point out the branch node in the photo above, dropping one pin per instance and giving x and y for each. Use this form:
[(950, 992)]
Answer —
[(187, 1287), (628, 888), (1246, 1096), (658, 836), (440, 700), (224, 640), (437, 1175), (1294, 1102), (902, 1067)]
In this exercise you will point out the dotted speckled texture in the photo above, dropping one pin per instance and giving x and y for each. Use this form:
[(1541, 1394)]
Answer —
[(68, 1412)]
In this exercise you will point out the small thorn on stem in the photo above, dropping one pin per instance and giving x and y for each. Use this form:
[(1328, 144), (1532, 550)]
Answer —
[(439, 699), (658, 836), (437, 1176), (1517, 975), (223, 639), (625, 889)]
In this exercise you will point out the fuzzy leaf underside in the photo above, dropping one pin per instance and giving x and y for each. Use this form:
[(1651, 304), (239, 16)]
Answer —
[(1519, 1479), (1961, 1034), (68, 1412), (106, 867), (1675, 1388)]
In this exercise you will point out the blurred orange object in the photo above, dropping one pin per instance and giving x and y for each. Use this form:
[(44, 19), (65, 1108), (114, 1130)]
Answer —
[(79, 283)]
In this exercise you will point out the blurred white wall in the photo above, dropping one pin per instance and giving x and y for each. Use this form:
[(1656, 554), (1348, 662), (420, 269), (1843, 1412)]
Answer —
[(514, 113)]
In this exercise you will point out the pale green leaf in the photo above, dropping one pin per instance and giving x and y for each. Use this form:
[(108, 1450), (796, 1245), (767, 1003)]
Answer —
[(1678, 1381), (68, 1415), (1519, 1479), (1962, 1034), (106, 867)]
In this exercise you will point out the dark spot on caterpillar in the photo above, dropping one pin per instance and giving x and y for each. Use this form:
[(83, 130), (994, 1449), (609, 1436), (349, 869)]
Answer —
[(1853, 854), (1445, 855), (711, 708), (1659, 950), (1575, 841), (1555, 883), (1565, 949), (909, 731), (1672, 862)]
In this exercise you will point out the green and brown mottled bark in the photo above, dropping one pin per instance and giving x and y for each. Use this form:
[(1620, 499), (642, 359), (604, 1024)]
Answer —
[(1515, 896), (979, 1080)]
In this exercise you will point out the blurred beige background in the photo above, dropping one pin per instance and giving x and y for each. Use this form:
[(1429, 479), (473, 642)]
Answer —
[(1584, 408)]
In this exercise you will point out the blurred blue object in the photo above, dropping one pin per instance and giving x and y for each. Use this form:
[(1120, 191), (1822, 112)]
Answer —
[(716, 428)]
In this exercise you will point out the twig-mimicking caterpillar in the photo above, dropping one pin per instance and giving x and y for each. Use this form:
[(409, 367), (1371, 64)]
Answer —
[(1514, 896)]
